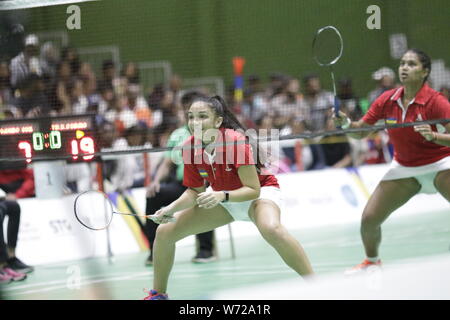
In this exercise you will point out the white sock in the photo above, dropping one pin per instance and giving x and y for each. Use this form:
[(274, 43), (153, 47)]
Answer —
[(373, 259)]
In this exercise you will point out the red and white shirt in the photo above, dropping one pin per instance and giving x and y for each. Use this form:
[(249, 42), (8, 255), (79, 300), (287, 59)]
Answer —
[(410, 147), (221, 169)]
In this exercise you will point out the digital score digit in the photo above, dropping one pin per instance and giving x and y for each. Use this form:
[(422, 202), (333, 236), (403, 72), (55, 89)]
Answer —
[(84, 146), (44, 138), (25, 146)]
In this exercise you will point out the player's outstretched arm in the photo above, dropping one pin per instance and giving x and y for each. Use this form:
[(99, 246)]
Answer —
[(185, 201), (250, 189), (344, 122)]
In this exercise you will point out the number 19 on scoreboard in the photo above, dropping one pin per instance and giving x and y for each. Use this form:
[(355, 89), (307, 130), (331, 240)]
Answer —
[(53, 144)]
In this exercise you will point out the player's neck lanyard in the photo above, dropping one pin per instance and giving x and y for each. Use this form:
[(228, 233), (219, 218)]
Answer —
[(211, 158)]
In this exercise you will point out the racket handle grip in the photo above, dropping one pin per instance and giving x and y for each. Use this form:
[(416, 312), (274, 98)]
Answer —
[(337, 106)]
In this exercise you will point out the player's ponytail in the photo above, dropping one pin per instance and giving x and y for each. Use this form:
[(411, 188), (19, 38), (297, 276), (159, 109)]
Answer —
[(230, 121)]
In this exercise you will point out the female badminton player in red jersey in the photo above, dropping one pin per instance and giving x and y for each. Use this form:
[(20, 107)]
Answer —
[(239, 192), (421, 153)]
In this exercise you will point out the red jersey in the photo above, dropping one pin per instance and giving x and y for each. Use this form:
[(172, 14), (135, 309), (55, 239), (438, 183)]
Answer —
[(19, 180), (410, 147), (221, 170)]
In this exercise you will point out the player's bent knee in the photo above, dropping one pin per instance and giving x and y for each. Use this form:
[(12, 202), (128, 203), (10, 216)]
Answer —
[(442, 183), (261, 204), (271, 231), (369, 220), (165, 232)]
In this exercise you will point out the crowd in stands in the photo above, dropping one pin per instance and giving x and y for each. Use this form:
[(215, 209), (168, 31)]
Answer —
[(43, 80)]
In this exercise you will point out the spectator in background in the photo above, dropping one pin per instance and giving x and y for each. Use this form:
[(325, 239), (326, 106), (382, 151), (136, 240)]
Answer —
[(317, 103), (136, 102), (169, 120), (78, 177), (175, 86), (129, 170), (59, 93), (108, 78), (276, 81), (87, 76), (49, 58), (79, 102), (446, 92), (165, 115), (336, 149), (107, 103), (167, 185), (375, 149), (286, 104), (229, 97), (106, 140), (70, 55), (154, 103), (122, 117), (385, 79), (27, 62), (130, 73), (32, 101), (254, 85), (18, 182), (11, 267), (349, 101), (255, 104), (6, 94)]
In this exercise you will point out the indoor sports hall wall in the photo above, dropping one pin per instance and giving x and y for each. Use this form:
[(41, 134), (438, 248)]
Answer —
[(199, 37), (49, 232)]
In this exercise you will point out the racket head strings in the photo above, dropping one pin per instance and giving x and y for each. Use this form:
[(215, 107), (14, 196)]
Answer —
[(327, 46), (94, 210)]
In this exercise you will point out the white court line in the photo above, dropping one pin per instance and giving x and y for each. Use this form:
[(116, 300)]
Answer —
[(147, 274), (186, 274), (24, 286), (85, 283)]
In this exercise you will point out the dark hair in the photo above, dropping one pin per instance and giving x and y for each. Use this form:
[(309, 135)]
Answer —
[(135, 78), (189, 97), (220, 107), (309, 77), (424, 60), (138, 129), (75, 63), (107, 64)]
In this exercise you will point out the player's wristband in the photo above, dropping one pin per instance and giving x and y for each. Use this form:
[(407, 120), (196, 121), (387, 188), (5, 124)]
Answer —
[(347, 123), (227, 196)]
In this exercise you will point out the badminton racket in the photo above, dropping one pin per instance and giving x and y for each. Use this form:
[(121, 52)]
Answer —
[(95, 211), (327, 48)]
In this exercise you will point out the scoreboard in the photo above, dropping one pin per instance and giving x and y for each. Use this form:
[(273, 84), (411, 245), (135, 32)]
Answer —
[(72, 137)]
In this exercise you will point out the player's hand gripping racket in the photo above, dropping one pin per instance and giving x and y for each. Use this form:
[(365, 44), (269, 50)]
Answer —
[(327, 49), (95, 211)]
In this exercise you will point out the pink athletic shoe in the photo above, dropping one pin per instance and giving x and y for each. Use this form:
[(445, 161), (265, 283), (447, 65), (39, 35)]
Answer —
[(4, 277), (15, 276)]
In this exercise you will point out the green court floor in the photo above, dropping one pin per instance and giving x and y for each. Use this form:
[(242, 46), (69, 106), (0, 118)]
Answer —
[(330, 249)]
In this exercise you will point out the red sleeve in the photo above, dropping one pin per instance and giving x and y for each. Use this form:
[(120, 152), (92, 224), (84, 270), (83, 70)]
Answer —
[(441, 108), (243, 152), (27, 187), (376, 110), (191, 176)]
